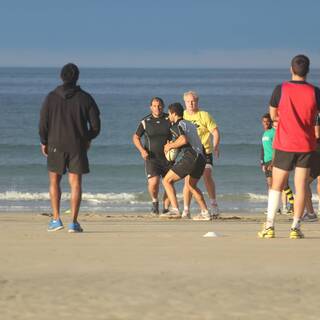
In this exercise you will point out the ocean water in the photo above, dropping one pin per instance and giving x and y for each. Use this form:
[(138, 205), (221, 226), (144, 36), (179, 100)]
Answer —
[(235, 98)]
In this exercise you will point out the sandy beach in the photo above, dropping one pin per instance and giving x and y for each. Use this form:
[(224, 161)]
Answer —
[(136, 267)]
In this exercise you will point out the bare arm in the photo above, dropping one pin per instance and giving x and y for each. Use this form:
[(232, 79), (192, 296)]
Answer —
[(137, 142), (44, 150), (317, 131), (216, 142), (181, 141), (273, 113)]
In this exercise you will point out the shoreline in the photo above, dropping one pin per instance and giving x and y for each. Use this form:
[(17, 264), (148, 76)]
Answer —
[(240, 217)]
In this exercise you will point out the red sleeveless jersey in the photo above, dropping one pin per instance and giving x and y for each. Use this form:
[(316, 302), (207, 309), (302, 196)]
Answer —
[(297, 112)]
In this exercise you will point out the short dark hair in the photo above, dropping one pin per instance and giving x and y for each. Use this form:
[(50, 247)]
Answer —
[(157, 99), (176, 108), (70, 73), (300, 65), (266, 116)]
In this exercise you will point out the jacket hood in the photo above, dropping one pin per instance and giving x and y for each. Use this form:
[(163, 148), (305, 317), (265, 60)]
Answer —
[(66, 91)]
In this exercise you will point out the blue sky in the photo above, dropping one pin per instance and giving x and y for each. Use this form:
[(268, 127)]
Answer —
[(148, 33)]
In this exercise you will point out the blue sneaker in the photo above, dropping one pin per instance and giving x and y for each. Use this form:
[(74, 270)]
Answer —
[(55, 225), (75, 227)]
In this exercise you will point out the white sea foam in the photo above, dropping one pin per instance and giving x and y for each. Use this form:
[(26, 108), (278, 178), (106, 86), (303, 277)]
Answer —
[(258, 197), (124, 197), (91, 197)]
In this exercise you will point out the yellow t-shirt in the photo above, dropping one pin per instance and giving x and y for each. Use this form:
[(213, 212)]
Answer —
[(205, 124)]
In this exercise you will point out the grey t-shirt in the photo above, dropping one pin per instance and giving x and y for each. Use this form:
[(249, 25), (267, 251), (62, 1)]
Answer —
[(184, 127)]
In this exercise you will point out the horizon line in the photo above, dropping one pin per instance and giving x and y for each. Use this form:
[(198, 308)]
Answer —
[(150, 67)]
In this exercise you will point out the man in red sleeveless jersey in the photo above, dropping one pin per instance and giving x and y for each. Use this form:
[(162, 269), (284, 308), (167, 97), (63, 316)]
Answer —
[(295, 104)]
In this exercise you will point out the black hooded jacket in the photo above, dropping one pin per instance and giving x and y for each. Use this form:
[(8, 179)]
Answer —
[(69, 119)]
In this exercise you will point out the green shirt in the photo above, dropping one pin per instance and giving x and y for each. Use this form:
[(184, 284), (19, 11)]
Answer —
[(267, 141)]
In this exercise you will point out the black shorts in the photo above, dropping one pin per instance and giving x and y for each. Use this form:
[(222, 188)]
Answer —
[(268, 173), (209, 160), (59, 162), (192, 164), (288, 160), (156, 167), (315, 165)]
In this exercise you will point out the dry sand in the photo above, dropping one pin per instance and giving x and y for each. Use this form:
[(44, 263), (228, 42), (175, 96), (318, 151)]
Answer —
[(135, 267)]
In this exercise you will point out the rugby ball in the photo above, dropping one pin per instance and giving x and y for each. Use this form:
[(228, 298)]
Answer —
[(172, 154)]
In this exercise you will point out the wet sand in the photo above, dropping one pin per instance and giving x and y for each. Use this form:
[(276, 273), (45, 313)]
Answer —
[(137, 267)]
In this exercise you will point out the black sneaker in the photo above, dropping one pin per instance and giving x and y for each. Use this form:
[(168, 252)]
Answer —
[(155, 208), (164, 210)]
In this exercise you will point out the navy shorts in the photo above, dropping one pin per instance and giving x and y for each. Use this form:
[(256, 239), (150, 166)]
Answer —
[(288, 160), (156, 167), (60, 162), (191, 164)]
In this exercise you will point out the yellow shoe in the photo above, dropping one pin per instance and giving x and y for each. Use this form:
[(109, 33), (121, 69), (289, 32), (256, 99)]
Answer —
[(296, 234), (267, 233)]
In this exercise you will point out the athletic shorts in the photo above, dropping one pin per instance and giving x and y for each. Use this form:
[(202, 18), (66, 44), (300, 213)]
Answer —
[(288, 160), (209, 160), (156, 167), (192, 164), (59, 161), (268, 173), (315, 165)]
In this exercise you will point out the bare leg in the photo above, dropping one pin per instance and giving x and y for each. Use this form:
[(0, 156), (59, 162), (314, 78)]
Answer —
[(196, 192), (55, 193), (283, 200), (300, 181), (187, 195), (279, 178), (75, 181), (168, 184), (209, 183), (153, 187), (309, 206), (269, 182), (166, 201)]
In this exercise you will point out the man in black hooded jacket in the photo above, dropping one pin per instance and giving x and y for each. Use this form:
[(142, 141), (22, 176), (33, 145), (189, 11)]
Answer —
[(69, 120)]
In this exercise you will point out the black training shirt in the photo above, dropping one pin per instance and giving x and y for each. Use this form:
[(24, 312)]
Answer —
[(156, 132)]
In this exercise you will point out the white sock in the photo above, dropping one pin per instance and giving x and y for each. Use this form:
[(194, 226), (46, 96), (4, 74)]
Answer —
[(273, 206), (155, 200), (185, 208), (295, 223)]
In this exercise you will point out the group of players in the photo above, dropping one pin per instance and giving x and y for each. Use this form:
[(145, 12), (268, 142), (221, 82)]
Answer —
[(290, 142), (191, 131), (70, 120)]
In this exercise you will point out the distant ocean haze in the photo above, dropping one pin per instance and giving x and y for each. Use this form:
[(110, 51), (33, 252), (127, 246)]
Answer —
[(235, 98)]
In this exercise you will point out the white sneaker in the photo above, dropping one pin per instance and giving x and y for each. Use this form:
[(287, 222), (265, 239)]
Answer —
[(186, 214), (172, 214), (215, 212), (203, 216), (309, 217)]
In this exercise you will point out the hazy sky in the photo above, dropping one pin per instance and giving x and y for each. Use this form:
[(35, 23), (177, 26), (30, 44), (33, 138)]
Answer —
[(149, 33)]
